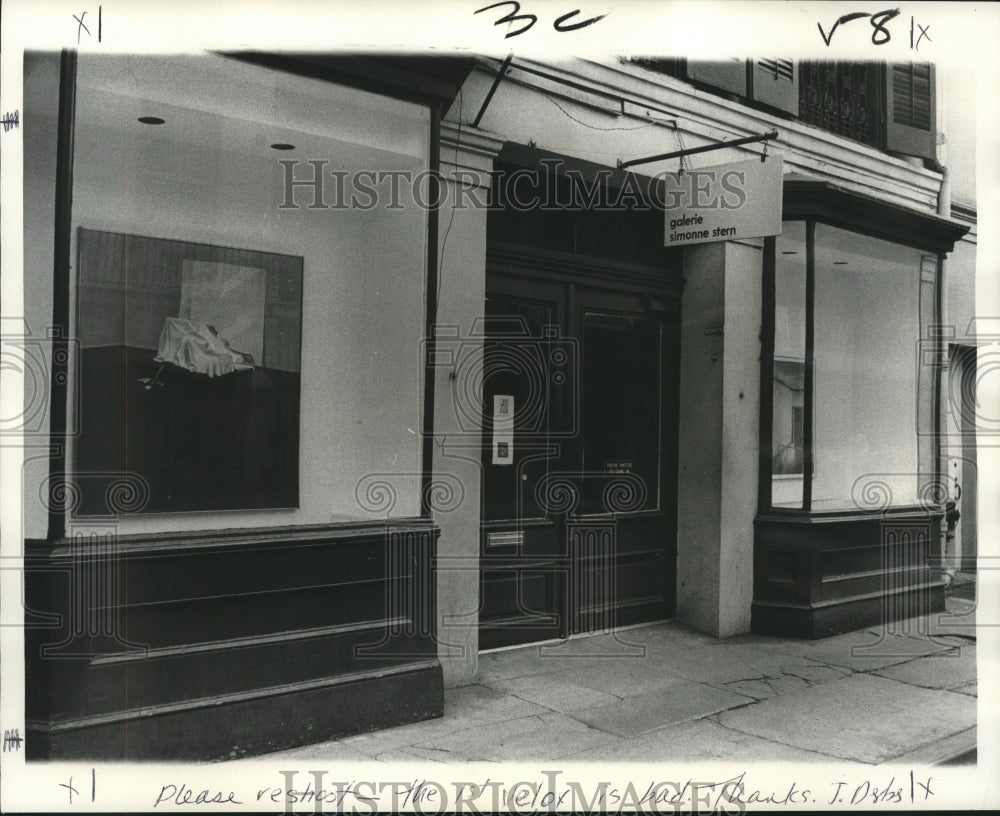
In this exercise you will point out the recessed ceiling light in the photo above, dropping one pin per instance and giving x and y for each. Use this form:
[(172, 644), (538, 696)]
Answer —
[(790, 252), (283, 146), (151, 120), (840, 263)]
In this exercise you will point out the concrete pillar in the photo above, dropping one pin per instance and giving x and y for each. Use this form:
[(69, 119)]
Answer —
[(466, 160), (719, 415)]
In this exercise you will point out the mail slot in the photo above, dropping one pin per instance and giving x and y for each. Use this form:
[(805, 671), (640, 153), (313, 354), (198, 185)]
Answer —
[(514, 538)]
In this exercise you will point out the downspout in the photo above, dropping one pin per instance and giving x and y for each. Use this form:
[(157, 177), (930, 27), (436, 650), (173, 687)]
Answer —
[(949, 557)]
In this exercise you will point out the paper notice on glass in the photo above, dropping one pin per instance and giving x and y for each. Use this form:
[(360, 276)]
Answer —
[(503, 429)]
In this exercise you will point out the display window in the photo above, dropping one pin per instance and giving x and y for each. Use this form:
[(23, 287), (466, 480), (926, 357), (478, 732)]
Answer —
[(239, 235), (851, 386)]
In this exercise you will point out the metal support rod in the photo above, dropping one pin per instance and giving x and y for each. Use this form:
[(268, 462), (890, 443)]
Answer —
[(493, 89), (763, 137), (579, 86)]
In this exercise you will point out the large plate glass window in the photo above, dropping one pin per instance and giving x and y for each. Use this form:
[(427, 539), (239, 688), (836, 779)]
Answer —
[(240, 237), (866, 384)]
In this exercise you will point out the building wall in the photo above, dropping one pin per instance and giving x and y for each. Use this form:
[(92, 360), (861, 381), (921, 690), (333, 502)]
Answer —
[(237, 632), (718, 428), (466, 159), (717, 484)]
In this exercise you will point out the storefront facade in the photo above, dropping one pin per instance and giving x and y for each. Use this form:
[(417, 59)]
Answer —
[(511, 418)]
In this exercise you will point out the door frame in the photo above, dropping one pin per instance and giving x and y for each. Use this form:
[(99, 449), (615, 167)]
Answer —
[(660, 291)]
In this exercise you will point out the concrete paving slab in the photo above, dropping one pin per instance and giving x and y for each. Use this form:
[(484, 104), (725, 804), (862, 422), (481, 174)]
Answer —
[(548, 736), (769, 687), (862, 717), (758, 689), (614, 645), (945, 670), (818, 673), (552, 692), (468, 707), (410, 755), (647, 712), (510, 663), (958, 749), (861, 651), (622, 678), (727, 662), (668, 632), (697, 741), (333, 751), (959, 618)]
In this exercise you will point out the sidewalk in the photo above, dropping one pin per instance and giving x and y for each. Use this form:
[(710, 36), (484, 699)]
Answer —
[(901, 693)]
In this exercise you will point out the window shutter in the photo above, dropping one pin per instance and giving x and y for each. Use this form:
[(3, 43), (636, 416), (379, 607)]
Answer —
[(728, 75), (910, 126), (776, 83)]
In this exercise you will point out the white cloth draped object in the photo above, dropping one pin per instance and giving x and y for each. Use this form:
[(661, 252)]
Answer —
[(200, 348)]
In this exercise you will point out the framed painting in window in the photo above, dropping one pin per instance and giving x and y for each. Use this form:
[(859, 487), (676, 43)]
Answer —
[(187, 377)]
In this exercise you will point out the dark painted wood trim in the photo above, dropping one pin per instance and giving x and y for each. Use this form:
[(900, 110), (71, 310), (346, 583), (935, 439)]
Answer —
[(822, 200), (245, 642), (940, 371), (766, 418), (241, 725), (151, 639), (535, 158), (244, 537), (809, 379), (427, 80), (782, 515), (489, 524), (818, 576), (825, 619), (61, 306), (567, 267), (143, 712), (431, 312)]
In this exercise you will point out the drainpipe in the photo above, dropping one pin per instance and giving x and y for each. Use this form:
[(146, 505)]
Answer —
[(949, 555), (944, 193)]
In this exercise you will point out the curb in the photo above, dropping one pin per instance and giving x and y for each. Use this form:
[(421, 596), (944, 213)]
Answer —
[(958, 749)]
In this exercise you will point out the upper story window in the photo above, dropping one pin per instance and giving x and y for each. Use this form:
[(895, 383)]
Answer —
[(889, 106)]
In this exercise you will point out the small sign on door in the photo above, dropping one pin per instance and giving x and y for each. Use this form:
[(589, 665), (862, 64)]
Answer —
[(503, 429)]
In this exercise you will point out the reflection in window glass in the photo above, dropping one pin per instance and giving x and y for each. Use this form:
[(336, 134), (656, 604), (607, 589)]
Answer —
[(621, 416), (789, 366)]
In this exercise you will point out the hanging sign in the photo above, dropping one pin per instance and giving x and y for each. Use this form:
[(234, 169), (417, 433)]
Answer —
[(503, 429), (723, 203)]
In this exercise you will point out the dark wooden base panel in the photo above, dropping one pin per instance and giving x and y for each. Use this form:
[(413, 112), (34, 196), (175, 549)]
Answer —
[(817, 576), (224, 644), (233, 726), (825, 620)]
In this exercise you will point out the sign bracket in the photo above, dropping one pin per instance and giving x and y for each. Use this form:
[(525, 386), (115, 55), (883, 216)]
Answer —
[(761, 137)]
